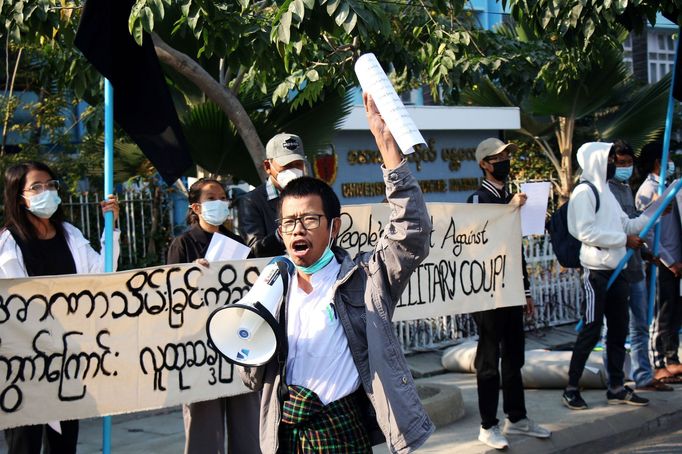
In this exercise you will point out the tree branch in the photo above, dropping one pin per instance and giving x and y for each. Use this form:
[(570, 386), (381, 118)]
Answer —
[(222, 96)]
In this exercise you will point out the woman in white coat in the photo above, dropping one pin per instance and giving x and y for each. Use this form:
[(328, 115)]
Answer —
[(36, 241)]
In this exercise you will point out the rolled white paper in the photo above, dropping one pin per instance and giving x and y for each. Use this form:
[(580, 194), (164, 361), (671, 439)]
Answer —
[(373, 80)]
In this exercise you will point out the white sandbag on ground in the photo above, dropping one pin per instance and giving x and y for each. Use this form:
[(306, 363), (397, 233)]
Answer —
[(542, 369)]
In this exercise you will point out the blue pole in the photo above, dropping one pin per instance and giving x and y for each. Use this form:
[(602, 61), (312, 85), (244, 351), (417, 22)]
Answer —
[(108, 216), (657, 214), (661, 186), (661, 189)]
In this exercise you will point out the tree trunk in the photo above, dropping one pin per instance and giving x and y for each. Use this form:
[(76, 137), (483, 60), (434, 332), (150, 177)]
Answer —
[(564, 135), (217, 93)]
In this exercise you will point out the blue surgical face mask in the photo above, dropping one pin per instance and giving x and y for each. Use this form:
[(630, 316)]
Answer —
[(215, 212), (44, 205), (671, 169), (323, 261), (623, 173)]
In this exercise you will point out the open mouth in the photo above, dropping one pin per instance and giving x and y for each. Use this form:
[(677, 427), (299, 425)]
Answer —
[(300, 247)]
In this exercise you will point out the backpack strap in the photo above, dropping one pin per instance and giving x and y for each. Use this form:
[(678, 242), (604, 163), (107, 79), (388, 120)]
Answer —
[(594, 191)]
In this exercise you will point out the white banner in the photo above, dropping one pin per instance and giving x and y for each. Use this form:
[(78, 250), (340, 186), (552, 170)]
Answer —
[(80, 346), (474, 263)]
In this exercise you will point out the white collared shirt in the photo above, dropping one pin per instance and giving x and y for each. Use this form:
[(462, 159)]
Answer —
[(319, 357)]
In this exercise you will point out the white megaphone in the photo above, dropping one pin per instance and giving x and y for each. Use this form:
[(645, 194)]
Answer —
[(246, 332)]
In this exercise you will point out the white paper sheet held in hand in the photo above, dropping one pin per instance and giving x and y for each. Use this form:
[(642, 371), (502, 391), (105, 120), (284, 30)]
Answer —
[(223, 248), (373, 80), (534, 210)]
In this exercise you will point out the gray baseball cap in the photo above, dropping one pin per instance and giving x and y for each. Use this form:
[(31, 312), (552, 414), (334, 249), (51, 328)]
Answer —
[(491, 147), (285, 148)]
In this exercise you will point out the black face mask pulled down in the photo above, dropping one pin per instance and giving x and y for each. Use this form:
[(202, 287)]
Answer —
[(610, 170), (501, 170)]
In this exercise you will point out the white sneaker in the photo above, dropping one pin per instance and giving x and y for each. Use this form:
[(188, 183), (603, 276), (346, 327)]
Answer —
[(493, 437), (525, 427)]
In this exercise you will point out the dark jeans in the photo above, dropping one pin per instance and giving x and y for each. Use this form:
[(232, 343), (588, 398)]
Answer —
[(597, 303), (500, 335), (665, 329), (30, 439)]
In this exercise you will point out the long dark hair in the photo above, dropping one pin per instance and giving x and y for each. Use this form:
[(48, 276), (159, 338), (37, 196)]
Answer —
[(16, 215), (194, 195)]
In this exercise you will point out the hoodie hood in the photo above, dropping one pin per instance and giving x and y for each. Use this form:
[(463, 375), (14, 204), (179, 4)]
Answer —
[(593, 157)]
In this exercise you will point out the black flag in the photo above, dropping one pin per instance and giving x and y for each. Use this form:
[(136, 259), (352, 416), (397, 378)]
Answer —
[(143, 107)]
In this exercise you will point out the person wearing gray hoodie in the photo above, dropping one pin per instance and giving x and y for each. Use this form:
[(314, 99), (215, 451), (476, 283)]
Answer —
[(604, 234)]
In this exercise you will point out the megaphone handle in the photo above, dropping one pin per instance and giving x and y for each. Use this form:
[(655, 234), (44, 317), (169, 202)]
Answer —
[(283, 350)]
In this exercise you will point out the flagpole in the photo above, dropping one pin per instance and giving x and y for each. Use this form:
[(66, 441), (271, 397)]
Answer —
[(661, 183), (661, 190), (108, 216)]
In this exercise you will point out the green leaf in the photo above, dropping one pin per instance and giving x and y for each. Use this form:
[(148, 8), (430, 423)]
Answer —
[(148, 19), (349, 25), (135, 25), (332, 5), (284, 28), (298, 9), (342, 13), (157, 7), (310, 4)]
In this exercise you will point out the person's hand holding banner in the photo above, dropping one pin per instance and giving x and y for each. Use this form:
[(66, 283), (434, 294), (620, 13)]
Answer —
[(373, 80)]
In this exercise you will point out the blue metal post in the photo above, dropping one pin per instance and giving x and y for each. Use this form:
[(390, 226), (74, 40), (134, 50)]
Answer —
[(108, 216)]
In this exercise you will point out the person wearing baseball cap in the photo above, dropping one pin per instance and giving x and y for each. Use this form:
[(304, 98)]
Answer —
[(500, 330), (257, 210)]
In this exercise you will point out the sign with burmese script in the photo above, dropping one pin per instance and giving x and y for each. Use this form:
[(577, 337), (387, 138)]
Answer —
[(80, 346), (474, 263)]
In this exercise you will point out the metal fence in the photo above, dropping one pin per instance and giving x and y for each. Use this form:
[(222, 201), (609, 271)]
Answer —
[(146, 220), (556, 293)]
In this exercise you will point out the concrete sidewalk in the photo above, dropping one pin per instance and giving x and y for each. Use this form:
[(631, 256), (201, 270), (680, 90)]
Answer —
[(600, 427)]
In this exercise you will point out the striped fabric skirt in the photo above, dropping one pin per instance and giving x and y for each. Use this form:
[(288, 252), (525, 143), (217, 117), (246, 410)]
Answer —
[(309, 426)]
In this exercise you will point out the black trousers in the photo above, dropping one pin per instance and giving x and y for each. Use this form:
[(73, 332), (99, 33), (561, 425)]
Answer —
[(665, 339), (30, 439), (500, 336), (597, 303)]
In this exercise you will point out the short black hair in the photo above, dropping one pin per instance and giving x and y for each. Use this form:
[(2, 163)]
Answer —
[(651, 153), (305, 186), (621, 147)]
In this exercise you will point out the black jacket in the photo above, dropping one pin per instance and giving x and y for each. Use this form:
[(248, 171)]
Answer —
[(193, 244), (488, 193), (258, 223)]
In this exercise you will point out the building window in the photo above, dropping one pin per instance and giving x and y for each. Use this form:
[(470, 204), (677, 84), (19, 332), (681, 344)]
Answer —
[(627, 53), (661, 53)]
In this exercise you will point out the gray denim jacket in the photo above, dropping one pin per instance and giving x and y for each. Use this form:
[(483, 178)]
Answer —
[(369, 287)]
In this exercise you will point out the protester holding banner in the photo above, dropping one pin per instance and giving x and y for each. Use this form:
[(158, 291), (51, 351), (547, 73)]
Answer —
[(257, 210), (500, 331), (37, 241), (345, 379), (205, 422), (664, 340), (604, 234)]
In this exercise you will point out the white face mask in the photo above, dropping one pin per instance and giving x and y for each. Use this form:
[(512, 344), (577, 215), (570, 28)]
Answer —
[(215, 212), (671, 169), (44, 205), (285, 176)]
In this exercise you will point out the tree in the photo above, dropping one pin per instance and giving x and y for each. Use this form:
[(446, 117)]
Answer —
[(601, 102)]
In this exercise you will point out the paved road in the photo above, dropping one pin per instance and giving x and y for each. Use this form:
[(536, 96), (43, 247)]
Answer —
[(668, 442)]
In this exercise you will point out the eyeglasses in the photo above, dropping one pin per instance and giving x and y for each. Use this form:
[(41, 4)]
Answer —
[(504, 156), (308, 221), (52, 185)]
